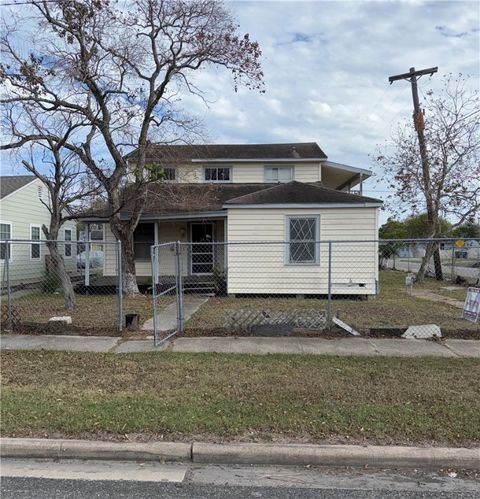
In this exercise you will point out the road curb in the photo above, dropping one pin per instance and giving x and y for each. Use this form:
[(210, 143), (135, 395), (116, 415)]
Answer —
[(244, 453), (337, 455), (85, 449)]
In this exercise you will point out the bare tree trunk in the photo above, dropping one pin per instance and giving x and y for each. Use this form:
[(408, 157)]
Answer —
[(124, 233), (59, 267), (432, 249)]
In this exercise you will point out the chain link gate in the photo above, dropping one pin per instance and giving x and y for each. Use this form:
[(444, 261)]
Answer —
[(167, 292)]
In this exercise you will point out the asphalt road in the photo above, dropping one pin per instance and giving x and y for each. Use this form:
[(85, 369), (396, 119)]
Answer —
[(72, 479), (23, 488), (470, 273)]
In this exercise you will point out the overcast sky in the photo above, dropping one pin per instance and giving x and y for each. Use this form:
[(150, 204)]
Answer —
[(326, 66)]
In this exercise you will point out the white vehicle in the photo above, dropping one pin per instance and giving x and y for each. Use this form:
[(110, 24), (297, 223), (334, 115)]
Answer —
[(95, 257)]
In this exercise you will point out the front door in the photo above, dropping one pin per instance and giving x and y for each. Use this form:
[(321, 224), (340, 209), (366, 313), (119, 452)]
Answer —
[(202, 249)]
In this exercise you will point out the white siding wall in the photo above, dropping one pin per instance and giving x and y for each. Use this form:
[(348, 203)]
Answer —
[(22, 209), (257, 268), (248, 172)]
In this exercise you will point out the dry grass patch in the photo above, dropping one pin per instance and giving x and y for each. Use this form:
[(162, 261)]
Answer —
[(392, 307), (227, 397)]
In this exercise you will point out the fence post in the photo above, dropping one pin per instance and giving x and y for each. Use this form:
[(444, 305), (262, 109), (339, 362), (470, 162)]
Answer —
[(154, 260), (329, 303), (87, 256), (179, 287), (119, 286), (9, 291)]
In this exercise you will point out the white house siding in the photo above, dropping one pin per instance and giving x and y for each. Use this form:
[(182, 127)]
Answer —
[(260, 268), (22, 209), (249, 173)]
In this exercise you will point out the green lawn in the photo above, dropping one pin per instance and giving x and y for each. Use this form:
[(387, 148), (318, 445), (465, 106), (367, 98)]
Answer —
[(238, 397), (392, 307)]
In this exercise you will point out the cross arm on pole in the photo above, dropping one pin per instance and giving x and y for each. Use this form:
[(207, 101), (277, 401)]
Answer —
[(413, 73)]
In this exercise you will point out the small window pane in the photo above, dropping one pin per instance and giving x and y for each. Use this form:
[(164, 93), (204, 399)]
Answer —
[(5, 233), (143, 240), (68, 247), (217, 174), (169, 174), (303, 246), (278, 174), (35, 251), (36, 233)]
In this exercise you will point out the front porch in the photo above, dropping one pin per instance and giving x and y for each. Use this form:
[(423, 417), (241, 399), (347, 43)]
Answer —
[(203, 248)]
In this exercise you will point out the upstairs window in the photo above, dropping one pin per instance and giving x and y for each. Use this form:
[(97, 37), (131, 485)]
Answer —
[(35, 247), (169, 174), (302, 237), (218, 174), (143, 240), (5, 235), (278, 174)]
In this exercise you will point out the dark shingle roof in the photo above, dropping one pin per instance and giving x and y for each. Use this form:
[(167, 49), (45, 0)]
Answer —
[(169, 199), (230, 152), (10, 183), (172, 199), (300, 193)]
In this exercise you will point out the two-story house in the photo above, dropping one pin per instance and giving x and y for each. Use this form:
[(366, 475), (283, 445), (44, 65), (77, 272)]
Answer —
[(218, 198)]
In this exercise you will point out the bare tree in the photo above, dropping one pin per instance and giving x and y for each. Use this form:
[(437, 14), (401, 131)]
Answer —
[(120, 73), (452, 188), (66, 180)]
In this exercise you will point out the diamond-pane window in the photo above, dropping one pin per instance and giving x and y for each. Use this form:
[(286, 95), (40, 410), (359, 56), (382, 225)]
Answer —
[(302, 239)]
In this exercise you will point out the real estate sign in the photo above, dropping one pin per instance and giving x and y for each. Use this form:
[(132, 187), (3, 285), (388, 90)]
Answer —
[(471, 308)]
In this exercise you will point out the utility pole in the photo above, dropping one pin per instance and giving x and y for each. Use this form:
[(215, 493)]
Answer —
[(418, 120)]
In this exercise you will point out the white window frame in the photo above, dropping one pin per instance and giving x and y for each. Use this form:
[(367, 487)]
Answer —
[(37, 226), (278, 167), (316, 260), (4, 222), (218, 167), (69, 243)]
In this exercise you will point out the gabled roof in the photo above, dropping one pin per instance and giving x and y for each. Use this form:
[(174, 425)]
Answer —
[(165, 199), (300, 193), (11, 183), (231, 152)]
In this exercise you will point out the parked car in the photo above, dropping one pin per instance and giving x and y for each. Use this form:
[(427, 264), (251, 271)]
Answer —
[(95, 257)]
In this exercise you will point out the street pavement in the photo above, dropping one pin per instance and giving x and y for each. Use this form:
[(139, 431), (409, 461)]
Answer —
[(42, 479), (414, 266)]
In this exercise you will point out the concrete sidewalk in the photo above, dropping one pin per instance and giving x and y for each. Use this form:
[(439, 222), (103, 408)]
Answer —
[(373, 347)]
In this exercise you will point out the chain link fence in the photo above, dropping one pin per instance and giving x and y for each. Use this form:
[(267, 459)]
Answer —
[(310, 288), (66, 287)]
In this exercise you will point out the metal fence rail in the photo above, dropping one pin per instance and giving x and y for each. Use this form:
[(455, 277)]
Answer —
[(61, 286), (309, 287)]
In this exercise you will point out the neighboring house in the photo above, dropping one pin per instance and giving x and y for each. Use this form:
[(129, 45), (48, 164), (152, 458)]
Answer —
[(23, 211), (287, 193)]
